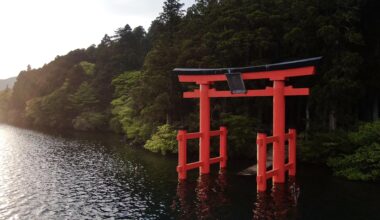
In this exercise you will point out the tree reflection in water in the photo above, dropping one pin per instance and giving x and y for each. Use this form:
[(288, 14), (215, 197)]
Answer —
[(279, 203)]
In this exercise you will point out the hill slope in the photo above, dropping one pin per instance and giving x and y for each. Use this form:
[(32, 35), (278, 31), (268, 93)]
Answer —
[(7, 82)]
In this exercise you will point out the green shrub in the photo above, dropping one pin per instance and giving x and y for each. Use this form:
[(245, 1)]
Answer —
[(364, 164), (367, 134), (318, 147), (164, 140), (89, 121), (89, 68)]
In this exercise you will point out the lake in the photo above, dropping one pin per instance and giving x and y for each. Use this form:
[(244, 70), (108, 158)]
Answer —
[(97, 176)]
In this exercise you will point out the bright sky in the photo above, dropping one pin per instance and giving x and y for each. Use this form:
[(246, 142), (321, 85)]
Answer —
[(36, 31)]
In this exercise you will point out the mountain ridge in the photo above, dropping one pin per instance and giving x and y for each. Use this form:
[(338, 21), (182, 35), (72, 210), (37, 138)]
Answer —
[(7, 82)]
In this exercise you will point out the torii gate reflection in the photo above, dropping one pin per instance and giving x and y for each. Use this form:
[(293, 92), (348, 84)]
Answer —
[(208, 200), (277, 73), (209, 197)]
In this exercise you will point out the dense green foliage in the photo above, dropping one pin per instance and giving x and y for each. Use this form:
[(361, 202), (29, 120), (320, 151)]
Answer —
[(164, 140), (75, 91), (4, 104), (362, 160), (354, 155), (319, 146), (363, 164), (126, 107), (242, 131), (125, 84)]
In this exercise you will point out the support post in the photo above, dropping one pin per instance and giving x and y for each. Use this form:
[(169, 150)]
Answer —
[(261, 178), (204, 128), (292, 151), (182, 155), (279, 131), (223, 147)]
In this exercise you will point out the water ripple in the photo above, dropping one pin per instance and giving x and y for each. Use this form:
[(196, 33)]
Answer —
[(48, 177)]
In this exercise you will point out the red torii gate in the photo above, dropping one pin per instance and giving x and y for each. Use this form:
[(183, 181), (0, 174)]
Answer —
[(277, 73)]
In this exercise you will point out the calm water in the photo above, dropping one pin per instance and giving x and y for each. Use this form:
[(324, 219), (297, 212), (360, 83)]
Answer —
[(81, 176)]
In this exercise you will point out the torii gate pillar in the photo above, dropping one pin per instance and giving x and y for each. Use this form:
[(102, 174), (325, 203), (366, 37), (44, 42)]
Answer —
[(279, 130), (204, 128)]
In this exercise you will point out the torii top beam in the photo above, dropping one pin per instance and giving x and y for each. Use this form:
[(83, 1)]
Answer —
[(274, 72), (270, 71)]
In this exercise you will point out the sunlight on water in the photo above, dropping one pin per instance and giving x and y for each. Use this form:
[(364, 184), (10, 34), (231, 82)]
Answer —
[(50, 177), (7, 160)]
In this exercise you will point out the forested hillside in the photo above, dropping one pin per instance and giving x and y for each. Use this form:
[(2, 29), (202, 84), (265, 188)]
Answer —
[(125, 84)]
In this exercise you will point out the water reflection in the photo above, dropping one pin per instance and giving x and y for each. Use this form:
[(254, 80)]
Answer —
[(279, 203), (203, 199)]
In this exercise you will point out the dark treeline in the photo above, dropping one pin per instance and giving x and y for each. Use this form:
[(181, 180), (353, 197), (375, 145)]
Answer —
[(125, 85)]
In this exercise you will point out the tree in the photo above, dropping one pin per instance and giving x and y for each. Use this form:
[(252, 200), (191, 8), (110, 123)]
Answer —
[(172, 12), (84, 99)]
